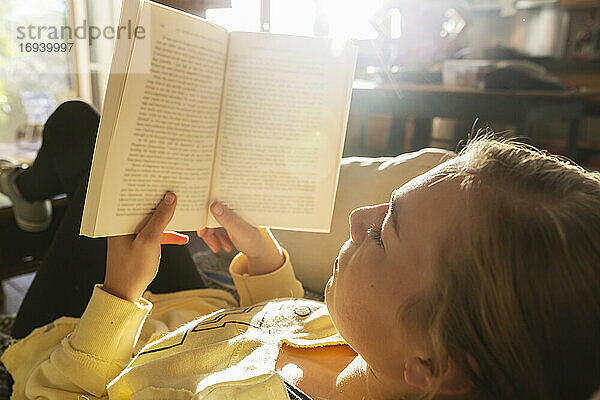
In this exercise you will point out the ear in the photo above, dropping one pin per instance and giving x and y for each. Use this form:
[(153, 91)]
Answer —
[(418, 373)]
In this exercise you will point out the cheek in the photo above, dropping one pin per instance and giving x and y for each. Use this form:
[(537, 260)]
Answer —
[(354, 297)]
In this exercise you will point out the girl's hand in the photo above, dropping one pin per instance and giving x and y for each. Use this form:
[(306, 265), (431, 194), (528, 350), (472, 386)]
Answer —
[(262, 249), (132, 260)]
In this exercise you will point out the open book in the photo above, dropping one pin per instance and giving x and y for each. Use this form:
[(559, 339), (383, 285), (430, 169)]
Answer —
[(254, 120)]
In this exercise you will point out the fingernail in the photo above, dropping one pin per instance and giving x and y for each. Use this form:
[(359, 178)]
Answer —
[(169, 198), (218, 208)]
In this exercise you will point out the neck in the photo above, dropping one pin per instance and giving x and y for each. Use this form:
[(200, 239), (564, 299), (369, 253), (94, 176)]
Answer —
[(351, 383), (358, 381)]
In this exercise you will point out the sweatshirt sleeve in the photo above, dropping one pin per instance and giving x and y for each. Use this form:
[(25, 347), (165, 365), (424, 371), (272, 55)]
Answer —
[(86, 359), (258, 288)]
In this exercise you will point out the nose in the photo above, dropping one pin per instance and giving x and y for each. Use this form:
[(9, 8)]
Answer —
[(361, 218)]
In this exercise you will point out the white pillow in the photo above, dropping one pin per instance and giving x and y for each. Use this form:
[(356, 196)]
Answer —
[(363, 181)]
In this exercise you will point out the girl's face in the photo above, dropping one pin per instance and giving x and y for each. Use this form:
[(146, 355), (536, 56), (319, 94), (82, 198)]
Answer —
[(371, 280)]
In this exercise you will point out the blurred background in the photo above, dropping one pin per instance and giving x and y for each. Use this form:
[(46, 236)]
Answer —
[(429, 71)]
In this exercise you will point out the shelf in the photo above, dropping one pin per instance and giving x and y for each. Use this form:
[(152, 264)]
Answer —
[(579, 3), (562, 143), (527, 4), (519, 5)]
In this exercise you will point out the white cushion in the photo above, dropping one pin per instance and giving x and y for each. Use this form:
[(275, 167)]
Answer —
[(363, 181)]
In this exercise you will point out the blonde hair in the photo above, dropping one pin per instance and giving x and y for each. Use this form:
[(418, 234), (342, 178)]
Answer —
[(520, 290)]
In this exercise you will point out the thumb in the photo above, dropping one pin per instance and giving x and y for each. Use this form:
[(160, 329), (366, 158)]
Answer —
[(244, 236), (160, 218)]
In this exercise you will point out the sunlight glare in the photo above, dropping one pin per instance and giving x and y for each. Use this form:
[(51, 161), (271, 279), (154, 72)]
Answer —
[(396, 24), (292, 373), (293, 17), (244, 15), (350, 18)]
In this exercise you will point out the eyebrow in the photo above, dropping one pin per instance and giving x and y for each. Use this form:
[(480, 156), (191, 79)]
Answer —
[(394, 212)]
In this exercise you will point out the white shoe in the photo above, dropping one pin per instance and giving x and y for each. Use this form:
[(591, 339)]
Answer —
[(31, 216)]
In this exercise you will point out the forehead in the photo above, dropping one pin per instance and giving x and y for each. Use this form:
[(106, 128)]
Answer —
[(436, 184), (426, 208)]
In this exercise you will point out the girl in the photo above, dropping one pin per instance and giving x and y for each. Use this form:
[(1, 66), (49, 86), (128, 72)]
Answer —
[(479, 279)]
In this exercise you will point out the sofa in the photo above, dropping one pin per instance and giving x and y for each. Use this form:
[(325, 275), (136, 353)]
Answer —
[(363, 181)]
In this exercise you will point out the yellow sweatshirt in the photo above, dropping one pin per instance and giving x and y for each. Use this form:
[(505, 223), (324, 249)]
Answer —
[(151, 350)]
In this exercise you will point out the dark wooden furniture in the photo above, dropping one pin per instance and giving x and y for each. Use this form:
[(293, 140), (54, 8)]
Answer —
[(580, 3), (520, 107)]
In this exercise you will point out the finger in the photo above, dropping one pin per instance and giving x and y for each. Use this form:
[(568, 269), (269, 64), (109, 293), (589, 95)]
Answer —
[(212, 242), (224, 240), (225, 243), (228, 239), (206, 231), (201, 232), (235, 225), (210, 233), (170, 237), (160, 218)]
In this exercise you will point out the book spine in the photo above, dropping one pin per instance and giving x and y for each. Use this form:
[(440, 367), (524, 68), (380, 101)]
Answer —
[(130, 11), (218, 136)]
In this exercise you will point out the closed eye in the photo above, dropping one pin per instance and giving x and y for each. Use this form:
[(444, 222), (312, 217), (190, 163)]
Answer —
[(374, 232)]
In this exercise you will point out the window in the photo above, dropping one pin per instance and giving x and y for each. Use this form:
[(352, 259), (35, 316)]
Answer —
[(244, 15), (32, 81), (92, 57), (338, 18)]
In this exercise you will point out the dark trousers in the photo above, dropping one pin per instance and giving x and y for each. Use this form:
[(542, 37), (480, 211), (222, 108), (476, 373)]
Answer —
[(74, 264)]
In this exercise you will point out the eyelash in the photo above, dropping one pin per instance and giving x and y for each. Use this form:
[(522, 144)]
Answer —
[(374, 232)]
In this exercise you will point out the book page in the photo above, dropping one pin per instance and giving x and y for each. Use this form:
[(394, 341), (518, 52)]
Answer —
[(283, 123), (165, 135)]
